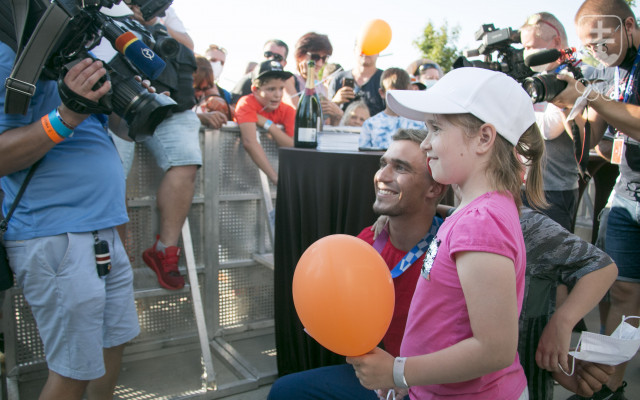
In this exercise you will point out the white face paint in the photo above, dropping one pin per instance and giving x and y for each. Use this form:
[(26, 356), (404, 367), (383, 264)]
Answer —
[(217, 70)]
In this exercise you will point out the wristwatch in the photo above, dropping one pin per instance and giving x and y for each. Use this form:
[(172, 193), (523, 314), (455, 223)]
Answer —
[(398, 373)]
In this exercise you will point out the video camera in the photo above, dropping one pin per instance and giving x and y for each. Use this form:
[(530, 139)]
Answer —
[(79, 27), (500, 55)]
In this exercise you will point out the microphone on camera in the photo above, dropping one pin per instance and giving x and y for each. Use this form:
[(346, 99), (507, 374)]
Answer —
[(145, 59), (542, 57)]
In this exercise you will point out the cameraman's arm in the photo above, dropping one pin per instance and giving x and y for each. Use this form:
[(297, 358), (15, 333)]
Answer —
[(623, 116), (179, 35), (182, 37), (23, 146)]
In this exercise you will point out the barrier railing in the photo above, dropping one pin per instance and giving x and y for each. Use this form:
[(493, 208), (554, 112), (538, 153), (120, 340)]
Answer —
[(231, 249)]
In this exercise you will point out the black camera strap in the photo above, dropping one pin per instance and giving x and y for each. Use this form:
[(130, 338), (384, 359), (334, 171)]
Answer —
[(4, 224), (21, 85)]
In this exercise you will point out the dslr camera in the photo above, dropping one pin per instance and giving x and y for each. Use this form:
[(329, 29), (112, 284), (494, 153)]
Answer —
[(84, 26), (501, 55)]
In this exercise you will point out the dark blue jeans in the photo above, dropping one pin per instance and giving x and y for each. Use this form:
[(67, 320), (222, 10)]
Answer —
[(623, 238), (337, 382)]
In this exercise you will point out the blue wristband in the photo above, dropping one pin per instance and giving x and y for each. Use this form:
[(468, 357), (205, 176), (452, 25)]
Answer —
[(267, 125), (58, 126)]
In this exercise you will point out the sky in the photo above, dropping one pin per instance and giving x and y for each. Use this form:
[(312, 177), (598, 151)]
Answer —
[(242, 26)]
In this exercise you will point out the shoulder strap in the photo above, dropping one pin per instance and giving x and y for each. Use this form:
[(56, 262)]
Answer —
[(4, 224), (20, 12), (26, 70)]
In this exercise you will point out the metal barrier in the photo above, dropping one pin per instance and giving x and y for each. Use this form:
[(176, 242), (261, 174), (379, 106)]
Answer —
[(235, 270)]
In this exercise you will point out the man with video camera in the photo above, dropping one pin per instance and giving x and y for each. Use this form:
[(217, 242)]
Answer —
[(84, 310), (608, 29), (543, 31)]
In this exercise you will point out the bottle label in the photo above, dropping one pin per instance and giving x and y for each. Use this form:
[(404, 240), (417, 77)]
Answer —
[(307, 134)]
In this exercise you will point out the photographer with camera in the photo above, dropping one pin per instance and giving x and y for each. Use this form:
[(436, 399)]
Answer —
[(611, 34), (543, 31), (70, 208)]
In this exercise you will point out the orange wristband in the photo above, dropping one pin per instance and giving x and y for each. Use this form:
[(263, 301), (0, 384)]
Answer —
[(53, 135)]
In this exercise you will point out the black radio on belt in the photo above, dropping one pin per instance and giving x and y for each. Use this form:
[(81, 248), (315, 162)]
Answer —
[(103, 257)]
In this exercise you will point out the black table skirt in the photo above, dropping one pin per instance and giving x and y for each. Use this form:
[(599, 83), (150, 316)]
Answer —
[(319, 194)]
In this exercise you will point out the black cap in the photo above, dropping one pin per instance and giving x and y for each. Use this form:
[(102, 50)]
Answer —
[(270, 68)]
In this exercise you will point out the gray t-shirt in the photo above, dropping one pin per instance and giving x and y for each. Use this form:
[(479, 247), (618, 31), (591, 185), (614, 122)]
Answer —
[(628, 184), (554, 255)]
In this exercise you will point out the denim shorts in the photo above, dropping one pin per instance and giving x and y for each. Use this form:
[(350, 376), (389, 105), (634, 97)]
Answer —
[(175, 142), (77, 312), (623, 237)]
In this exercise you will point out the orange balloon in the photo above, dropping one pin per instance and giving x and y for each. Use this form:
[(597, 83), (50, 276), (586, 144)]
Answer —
[(343, 293), (374, 37)]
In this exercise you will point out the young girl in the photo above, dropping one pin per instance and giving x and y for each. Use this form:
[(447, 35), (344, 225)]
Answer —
[(461, 335)]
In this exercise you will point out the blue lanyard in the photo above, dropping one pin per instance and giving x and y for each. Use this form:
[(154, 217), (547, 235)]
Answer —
[(415, 253), (629, 86), (559, 68)]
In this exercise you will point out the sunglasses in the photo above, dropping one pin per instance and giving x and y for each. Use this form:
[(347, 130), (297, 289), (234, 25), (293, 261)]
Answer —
[(269, 55), (427, 66), (317, 57), (214, 47), (203, 89)]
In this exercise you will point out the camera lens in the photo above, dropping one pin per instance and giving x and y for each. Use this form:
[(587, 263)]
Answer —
[(543, 87), (167, 47), (142, 110)]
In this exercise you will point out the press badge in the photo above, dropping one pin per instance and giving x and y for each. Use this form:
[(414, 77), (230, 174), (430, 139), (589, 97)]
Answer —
[(618, 150), (429, 257)]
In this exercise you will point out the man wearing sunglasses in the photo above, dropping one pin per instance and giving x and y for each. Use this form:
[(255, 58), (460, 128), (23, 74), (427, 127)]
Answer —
[(274, 50)]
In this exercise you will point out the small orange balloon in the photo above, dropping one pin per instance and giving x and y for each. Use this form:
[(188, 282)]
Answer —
[(343, 293), (374, 37)]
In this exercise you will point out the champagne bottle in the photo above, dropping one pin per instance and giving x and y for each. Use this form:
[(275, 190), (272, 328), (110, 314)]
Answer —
[(309, 113)]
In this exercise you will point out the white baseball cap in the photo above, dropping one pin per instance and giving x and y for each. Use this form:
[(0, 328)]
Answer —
[(492, 96)]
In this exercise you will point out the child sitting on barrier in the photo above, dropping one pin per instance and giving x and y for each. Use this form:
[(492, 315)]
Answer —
[(264, 108)]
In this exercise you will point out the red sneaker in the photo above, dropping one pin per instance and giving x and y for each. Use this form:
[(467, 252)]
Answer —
[(165, 265)]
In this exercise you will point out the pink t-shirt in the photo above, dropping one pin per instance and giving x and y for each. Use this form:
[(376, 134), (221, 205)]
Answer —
[(438, 316)]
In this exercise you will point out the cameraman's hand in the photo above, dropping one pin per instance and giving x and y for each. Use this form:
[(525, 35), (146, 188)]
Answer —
[(137, 15), (80, 79), (567, 98), (147, 85), (344, 95)]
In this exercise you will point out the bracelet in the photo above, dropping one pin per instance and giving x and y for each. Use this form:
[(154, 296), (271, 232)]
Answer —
[(49, 130), (61, 128), (398, 373), (267, 125), (63, 121)]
